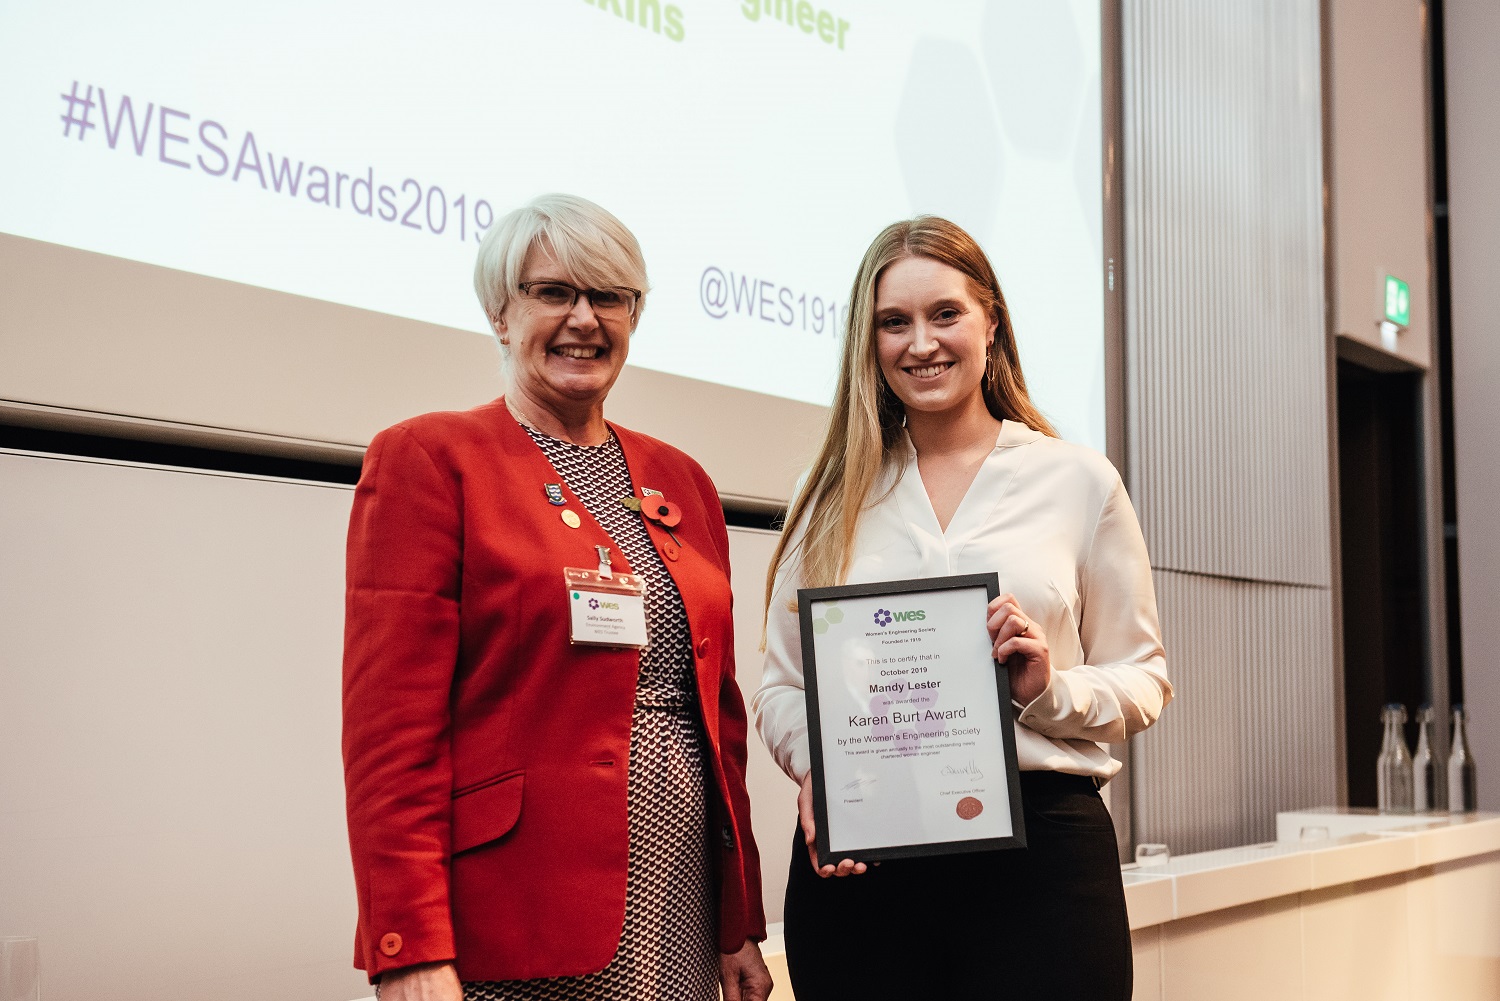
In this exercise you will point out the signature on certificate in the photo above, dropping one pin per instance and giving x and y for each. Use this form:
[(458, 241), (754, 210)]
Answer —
[(860, 782), (969, 771)]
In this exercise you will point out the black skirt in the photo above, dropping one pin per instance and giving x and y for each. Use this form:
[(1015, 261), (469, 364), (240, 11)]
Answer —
[(1045, 921)]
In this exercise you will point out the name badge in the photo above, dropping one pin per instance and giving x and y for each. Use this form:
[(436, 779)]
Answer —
[(606, 609)]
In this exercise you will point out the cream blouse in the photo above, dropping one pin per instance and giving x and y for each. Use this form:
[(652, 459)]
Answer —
[(1053, 521)]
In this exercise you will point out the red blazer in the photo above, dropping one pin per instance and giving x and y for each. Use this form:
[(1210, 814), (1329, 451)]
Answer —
[(485, 758)]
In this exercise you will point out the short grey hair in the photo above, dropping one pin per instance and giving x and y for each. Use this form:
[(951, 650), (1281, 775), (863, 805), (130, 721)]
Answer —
[(592, 245)]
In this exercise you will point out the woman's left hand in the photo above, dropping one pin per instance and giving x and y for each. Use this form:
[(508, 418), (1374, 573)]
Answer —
[(1022, 647), (743, 975)]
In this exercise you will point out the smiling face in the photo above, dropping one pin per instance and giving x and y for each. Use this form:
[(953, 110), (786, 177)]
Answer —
[(932, 336), (563, 361)]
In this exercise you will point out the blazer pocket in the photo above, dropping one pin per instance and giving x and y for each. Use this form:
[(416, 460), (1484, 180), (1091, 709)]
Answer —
[(487, 812)]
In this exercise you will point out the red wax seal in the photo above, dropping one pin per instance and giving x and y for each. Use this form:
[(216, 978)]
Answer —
[(969, 808)]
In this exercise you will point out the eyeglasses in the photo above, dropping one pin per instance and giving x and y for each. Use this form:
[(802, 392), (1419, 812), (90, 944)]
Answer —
[(616, 302)]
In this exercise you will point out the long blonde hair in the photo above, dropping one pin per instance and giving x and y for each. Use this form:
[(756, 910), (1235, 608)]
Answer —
[(865, 421)]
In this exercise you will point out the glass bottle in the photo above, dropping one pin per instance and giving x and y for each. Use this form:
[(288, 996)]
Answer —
[(1393, 767), (1463, 781), (1424, 769)]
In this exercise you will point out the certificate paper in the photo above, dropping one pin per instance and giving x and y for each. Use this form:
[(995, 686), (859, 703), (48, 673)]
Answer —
[(909, 720)]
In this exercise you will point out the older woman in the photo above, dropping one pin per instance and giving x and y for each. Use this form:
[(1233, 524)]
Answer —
[(936, 462), (540, 807)]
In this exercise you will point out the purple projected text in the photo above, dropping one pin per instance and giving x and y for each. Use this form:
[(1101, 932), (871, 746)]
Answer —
[(171, 137), (722, 294)]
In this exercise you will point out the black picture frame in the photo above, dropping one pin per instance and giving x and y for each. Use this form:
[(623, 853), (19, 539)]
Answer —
[(807, 598)]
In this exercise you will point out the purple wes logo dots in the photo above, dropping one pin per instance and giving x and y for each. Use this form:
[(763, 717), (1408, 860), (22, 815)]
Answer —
[(594, 603), (882, 617)]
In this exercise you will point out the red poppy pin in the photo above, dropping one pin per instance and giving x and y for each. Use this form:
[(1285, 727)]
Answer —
[(655, 507)]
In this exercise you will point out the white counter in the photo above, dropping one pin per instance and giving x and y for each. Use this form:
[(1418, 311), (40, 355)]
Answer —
[(1403, 908), (1361, 845)]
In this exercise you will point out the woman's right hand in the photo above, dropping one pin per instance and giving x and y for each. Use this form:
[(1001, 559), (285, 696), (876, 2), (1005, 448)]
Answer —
[(428, 982), (810, 834)]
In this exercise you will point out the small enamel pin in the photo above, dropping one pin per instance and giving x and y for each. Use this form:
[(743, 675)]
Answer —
[(570, 518), (555, 494)]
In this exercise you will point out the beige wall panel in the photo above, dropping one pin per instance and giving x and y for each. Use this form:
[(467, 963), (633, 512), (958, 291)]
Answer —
[(1377, 168), (98, 334), (1344, 928), (1145, 948), (173, 822), (781, 980), (1472, 29), (1249, 953), (1455, 930)]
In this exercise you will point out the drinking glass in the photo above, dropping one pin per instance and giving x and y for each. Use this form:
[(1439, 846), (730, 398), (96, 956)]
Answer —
[(1148, 855)]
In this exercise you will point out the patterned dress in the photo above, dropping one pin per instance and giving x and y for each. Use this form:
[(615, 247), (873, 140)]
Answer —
[(668, 949)]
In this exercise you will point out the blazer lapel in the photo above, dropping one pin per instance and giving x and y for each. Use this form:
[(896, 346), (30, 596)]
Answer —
[(688, 567)]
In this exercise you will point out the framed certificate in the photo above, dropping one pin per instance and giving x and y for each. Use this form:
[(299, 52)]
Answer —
[(909, 720)]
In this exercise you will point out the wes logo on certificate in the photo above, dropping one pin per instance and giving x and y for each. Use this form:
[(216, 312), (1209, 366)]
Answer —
[(909, 720)]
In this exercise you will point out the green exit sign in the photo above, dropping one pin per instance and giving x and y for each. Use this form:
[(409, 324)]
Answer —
[(1397, 301)]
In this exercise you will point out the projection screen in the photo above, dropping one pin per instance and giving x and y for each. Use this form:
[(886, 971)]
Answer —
[(261, 220)]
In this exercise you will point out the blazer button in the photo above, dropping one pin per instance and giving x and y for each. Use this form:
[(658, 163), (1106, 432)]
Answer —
[(390, 944), (703, 648), (670, 552)]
